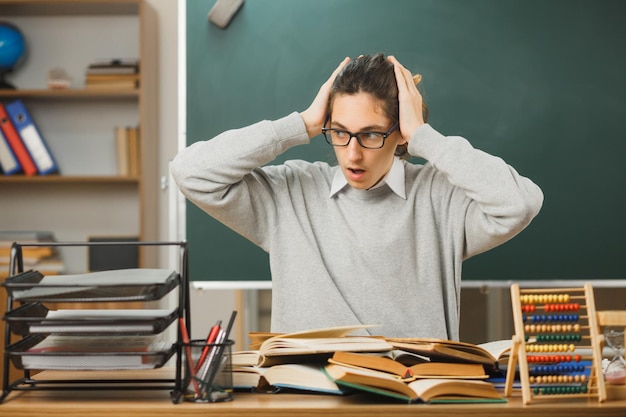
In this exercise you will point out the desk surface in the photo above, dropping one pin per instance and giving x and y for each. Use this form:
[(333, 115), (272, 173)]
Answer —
[(157, 403)]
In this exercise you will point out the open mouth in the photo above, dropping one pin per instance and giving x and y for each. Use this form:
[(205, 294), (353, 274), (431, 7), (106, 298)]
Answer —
[(355, 174)]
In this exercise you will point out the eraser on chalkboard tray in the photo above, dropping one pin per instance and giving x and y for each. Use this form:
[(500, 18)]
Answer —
[(223, 12)]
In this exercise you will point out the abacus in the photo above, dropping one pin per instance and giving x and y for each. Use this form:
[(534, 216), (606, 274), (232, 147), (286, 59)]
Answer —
[(556, 346)]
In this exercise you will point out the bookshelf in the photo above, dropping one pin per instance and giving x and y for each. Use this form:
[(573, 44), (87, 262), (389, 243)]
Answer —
[(88, 197)]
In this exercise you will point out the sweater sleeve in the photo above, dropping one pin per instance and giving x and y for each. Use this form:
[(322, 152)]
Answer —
[(222, 176), (501, 201)]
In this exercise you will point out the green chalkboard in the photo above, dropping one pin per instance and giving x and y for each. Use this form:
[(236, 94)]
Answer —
[(541, 83)]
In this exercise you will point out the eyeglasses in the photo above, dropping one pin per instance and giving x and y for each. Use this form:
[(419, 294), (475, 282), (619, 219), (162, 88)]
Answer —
[(368, 140)]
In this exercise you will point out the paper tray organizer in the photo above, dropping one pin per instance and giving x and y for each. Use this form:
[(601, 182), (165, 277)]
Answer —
[(41, 328), (36, 318), (23, 358), (31, 286)]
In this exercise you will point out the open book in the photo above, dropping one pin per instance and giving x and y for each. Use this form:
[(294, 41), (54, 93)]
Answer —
[(440, 350), (409, 373), (314, 346), (286, 377), (419, 390)]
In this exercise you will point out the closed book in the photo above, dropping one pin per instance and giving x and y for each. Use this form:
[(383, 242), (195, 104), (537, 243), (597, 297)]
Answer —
[(111, 85), (8, 162), (122, 151), (15, 141), (96, 78), (134, 151), (32, 138), (114, 66)]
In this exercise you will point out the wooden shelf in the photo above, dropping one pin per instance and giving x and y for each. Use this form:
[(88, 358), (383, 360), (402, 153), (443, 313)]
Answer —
[(70, 7), (68, 179), (71, 93)]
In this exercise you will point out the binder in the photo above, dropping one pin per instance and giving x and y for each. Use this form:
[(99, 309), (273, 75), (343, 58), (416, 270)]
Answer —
[(32, 138), (14, 140), (8, 162)]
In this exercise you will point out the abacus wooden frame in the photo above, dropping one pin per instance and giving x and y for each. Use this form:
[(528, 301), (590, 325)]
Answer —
[(518, 360)]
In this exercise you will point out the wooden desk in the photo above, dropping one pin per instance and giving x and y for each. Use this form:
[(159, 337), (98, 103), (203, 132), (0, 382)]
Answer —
[(157, 403)]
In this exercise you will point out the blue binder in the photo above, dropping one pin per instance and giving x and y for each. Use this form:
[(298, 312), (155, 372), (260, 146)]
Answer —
[(32, 138), (8, 162)]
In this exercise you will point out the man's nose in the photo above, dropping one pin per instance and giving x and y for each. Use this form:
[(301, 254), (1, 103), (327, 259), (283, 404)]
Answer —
[(355, 151)]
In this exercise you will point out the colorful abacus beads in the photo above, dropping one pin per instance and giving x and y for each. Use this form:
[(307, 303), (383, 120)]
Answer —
[(559, 369), (550, 337), (553, 358), (561, 389), (551, 318), (552, 328), (562, 307), (563, 347), (544, 298)]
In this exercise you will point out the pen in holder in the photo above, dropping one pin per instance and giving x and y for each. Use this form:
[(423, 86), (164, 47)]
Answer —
[(208, 372)]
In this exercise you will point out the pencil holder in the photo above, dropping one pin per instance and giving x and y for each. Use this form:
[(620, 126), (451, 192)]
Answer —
[(208, 372)]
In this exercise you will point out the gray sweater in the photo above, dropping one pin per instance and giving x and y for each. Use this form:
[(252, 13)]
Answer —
[(360, 256)]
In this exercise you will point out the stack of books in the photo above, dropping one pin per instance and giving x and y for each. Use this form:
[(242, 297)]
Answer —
[(44, 259), (331, 361), (115, 74), (127, 150)]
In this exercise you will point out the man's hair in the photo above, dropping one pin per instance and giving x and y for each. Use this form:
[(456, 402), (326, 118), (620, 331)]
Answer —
[(372, 74)]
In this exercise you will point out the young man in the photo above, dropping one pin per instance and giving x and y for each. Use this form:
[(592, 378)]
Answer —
[(375, 239)]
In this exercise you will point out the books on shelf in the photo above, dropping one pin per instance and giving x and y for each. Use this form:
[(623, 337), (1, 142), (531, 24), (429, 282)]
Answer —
[(127, 150), (9, 164), (31, 137), (45, 259), (114, 66), (14, 141), (113, 74), (119, 82), (428, 390)]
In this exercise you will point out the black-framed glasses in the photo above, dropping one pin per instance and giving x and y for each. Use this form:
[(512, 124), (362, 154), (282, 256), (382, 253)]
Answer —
[(368, 140)]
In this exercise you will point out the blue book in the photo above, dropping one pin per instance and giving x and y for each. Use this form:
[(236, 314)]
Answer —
[(8, 162), (32, 138)]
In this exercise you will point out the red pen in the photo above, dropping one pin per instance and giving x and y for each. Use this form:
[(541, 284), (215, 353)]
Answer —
[(187, 343), (210, 339)]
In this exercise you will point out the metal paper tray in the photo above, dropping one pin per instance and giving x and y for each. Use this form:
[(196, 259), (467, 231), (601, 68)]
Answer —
[(105, 359), (36, 318), (33, 286)]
